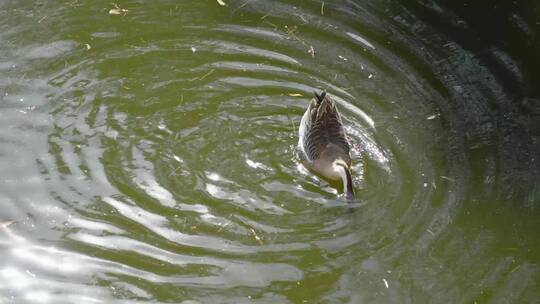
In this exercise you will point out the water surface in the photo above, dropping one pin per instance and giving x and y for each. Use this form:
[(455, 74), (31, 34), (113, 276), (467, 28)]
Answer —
[(150, 156)]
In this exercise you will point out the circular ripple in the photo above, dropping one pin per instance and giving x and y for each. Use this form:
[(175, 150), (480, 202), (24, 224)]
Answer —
[(170, 172)]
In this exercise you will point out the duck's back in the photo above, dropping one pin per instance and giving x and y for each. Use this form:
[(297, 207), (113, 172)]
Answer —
[(321, 132)]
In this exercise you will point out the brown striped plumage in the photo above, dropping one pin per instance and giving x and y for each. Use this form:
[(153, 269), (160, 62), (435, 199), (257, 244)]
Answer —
[(322, 142)]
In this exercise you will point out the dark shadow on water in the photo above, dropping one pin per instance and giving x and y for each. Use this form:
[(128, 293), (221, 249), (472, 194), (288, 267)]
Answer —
[(498, 110)]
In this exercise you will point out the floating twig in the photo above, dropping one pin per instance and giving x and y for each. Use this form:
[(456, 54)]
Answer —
[(174, 171), (311, 51), (241, 6), (447, 178), (203, 76), (515, 269), (293, 126), (221, 227), (258, 238), (268, 22)]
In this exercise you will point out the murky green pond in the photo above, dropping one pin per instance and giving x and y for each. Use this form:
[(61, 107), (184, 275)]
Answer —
[(149, 155)]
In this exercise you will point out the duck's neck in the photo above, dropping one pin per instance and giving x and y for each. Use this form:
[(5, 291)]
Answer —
[(346, 178)]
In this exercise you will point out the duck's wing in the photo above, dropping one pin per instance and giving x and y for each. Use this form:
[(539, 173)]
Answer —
[(322, 127)]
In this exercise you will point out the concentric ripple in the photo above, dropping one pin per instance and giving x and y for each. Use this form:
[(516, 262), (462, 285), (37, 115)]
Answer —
[(150, 156)]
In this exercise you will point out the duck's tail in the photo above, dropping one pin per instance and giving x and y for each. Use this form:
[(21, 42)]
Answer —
[(321, 96)]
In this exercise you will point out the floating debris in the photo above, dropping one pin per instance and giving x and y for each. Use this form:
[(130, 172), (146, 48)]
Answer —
[(293, 128), (203, 76), (88, 47), (385, 283), (221, 227), (515, 269), (447, 178), (193, 49), (370, 76), (295, 94), (322, 8), (73, 3), (114, 11), (258, 238), (432, 116), (241, 6), (291, 32), (220, 2), (311, 51), (118, 10)]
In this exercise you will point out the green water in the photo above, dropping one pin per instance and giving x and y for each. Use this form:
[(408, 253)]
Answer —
[(150, 156)]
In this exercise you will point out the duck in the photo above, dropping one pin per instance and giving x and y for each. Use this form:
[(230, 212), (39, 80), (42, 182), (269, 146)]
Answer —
[(323, 146)]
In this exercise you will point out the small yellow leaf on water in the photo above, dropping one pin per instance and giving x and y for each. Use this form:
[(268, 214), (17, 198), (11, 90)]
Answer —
[(295, 94), (221, 3)]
